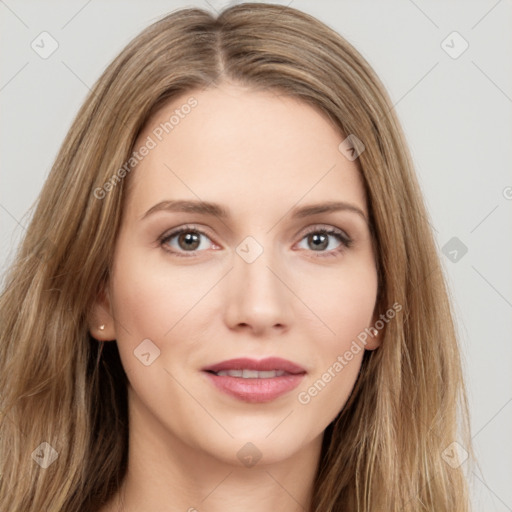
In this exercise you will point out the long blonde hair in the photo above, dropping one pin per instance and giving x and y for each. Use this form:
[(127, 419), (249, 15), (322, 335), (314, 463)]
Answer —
[(386, 449)]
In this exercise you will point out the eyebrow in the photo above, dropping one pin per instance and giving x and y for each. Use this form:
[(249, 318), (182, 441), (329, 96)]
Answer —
[(217, 210)]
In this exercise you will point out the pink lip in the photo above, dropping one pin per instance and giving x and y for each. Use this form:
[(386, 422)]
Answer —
[(256, 390)]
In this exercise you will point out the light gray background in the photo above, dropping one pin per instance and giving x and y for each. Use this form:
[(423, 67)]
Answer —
[(456, 114)]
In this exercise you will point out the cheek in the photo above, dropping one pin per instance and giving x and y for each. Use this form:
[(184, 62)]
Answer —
[(150, 297), (354, 306), (344, 301), (337, 364), (345, 304), (153, 301)]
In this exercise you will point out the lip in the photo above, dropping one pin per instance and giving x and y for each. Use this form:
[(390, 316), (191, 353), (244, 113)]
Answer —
[(256, 390), (261, 365)]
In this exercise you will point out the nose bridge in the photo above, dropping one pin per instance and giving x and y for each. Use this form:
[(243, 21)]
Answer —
[(253, 262), (257, 295)]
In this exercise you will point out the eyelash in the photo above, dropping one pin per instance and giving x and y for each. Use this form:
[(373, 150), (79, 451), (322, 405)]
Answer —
[(346, 241)]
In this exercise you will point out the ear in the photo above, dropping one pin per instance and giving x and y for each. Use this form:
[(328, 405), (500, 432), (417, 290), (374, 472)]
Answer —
[(101, 320), (374, 339)]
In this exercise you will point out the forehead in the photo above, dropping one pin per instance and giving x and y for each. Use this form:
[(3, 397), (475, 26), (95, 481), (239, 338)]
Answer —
[(256, 146)]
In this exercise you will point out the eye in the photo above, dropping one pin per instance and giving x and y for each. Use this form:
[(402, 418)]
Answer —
[(188, 240), (319, 239)]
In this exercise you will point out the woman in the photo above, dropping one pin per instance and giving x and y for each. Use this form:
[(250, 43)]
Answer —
[(229, 295)]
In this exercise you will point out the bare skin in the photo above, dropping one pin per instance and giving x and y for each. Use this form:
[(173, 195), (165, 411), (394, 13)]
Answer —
[(260, 155)]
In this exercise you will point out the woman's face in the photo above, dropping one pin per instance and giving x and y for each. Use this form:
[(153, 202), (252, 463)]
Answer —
[(259, 281)]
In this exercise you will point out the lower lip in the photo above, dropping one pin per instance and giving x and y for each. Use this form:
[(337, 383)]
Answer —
[(256, 390)]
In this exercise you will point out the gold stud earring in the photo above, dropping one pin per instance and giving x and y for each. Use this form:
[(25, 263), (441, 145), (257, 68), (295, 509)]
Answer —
[(101, 327)]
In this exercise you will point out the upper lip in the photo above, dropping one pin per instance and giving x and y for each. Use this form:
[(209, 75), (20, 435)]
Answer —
[(267, 364)]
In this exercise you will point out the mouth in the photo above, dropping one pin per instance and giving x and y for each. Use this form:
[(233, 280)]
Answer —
[(255, 381)]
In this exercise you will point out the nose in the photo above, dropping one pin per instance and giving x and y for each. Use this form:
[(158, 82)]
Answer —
[(259, 296)]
